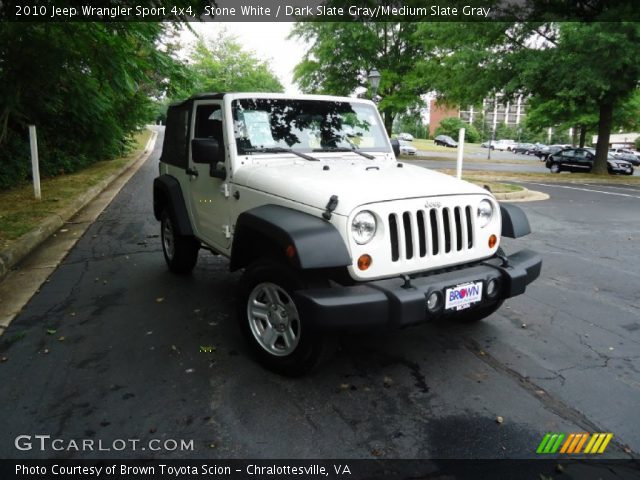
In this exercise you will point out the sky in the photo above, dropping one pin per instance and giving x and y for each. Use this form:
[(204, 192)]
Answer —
[(267, 39)]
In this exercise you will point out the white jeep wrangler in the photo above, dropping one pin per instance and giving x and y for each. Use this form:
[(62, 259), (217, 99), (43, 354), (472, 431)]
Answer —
[(304, 193)]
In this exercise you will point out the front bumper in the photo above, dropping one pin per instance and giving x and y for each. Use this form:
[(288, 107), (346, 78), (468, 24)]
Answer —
[(390, 303)]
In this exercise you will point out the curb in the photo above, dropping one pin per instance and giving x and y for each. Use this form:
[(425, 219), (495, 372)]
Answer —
[(25, 244), (524, 195)]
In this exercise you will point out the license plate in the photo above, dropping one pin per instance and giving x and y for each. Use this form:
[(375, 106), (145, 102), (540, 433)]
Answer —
[(462, 296)]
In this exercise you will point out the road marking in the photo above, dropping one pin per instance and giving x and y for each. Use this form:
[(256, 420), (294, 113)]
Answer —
[(618, 188), (585, 190)]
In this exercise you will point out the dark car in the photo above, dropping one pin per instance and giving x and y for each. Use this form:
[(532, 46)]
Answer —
[(523, 148), (536, 148), (581, 160), (544, 152), (445, 141), (626, 156)]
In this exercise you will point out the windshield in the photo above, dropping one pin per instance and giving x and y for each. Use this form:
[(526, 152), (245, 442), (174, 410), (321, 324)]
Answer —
[(306, 125)]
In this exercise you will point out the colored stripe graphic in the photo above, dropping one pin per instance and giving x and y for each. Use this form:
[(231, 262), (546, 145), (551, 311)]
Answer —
[(543, 443), (595, 443), (584, 439)]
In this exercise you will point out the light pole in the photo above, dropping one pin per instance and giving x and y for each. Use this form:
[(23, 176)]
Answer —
[(374, 82)]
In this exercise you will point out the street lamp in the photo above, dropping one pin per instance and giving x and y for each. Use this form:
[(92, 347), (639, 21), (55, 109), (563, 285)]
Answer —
[(374, 81)]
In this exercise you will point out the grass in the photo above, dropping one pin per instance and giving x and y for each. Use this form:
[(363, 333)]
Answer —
[(20, 212), (496, 187), (429, 146)]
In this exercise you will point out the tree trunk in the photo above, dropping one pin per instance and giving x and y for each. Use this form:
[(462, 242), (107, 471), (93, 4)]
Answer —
[(388, 121), (604, 131), (583, 135)]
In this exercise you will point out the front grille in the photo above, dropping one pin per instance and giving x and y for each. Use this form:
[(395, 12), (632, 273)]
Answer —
[(430, 232)]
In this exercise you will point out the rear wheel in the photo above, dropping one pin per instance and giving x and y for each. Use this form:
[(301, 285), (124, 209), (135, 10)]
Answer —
[(272, 323), (180, 251)]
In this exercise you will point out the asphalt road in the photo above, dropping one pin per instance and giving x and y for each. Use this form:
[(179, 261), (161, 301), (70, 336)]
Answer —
[(112, 348)]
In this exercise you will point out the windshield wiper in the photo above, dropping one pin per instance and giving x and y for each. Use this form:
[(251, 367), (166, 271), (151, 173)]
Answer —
[(282, 150), (344, 149)]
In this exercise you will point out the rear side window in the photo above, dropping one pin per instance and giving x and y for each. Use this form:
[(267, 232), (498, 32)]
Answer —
[(174, 148)]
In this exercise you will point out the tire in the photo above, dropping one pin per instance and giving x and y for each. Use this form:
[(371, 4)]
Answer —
[(555, 168), (629, 173), (271, 322), (180, 251)]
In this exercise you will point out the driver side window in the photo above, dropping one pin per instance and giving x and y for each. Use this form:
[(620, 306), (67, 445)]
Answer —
[(209, 123)]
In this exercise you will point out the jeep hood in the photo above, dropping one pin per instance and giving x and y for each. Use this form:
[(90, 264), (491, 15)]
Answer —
[(356, 182)]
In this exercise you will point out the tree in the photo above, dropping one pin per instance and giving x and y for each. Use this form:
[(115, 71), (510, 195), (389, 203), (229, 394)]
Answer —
[(451, 126), (568, 62), (340, 56), (221, 65), (410, 122), (86, 86)]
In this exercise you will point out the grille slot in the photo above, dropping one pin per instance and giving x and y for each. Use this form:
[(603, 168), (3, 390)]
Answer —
[(414, 235)]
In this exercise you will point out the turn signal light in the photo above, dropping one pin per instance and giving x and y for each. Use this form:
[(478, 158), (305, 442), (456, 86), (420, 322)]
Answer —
[(364, 262), (290, 251), (492, 241)]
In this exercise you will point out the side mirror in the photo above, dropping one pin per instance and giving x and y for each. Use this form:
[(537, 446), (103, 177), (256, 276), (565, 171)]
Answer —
[(395, 145), (207, 150)]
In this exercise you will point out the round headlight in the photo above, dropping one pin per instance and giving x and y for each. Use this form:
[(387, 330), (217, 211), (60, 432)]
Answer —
[(485, 212), (363, 227)]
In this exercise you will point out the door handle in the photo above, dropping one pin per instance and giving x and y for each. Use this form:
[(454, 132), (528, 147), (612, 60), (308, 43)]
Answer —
[(192, 171)]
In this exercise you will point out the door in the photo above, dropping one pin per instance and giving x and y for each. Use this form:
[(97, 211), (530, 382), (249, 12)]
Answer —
[(208, 196), (583, 161)]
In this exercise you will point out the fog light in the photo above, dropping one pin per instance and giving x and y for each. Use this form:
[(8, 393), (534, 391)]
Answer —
[(492, 288), (364, 262), (492, 241), (433, 302)]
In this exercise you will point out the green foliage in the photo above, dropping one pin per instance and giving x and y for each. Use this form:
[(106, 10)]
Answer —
[(86, 87), (221, 65), (411, 122), (569, 66), (637, 143), (451, 126), (340, 56)]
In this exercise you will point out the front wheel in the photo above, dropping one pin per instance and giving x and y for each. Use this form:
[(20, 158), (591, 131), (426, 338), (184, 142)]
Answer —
[(555, 168), (272, 322), (180, 251)]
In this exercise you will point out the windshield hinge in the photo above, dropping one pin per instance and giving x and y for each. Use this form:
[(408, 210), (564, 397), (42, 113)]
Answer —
[(227, 231), (225, 190), (331, 206)]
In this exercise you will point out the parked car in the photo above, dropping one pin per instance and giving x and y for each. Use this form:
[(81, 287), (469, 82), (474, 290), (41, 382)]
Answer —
[(406, 148), (445, 141), (523, 148), (406, 136), (536, 148), (544, 152), (582, 159), (626, 155), (503, 145), (486, 144)]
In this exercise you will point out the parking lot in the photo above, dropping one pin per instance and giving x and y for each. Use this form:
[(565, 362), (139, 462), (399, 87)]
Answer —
[(114, 346)]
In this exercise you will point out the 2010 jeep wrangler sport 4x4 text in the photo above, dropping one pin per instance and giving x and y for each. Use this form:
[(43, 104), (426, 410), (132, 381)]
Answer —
[(305, 194)]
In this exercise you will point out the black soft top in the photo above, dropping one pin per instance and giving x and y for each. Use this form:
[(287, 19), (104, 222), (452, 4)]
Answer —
[(198, 96)]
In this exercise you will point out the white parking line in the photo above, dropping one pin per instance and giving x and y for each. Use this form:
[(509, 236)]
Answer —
[(618, 188), (585, 190)]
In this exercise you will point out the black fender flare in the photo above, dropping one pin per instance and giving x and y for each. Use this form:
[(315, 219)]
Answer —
[(515, 223), (166, 190), (315, 242)]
